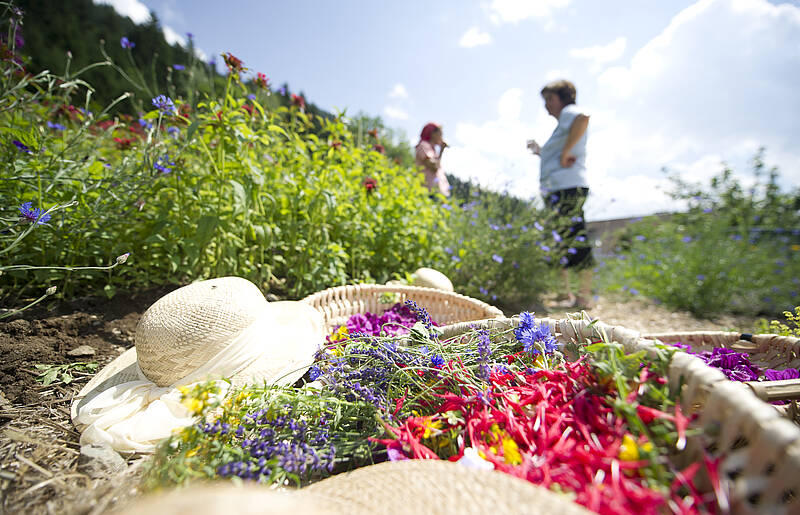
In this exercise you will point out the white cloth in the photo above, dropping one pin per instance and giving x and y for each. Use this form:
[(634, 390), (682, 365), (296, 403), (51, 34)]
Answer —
[(134, 416), (553, 177)]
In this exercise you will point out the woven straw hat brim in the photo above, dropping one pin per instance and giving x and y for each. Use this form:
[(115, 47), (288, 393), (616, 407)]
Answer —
[(414, 487), (297, 356)]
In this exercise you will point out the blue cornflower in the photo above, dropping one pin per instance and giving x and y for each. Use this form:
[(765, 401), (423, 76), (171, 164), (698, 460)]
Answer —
[(483, 291), (164, 104), (437, 361), (447, 207), (33, 215), (56, 126), (494, 227), (314, 372), (556, 236), (526, 319), (634, 291), (524, 228), (448, 250), (707, 210), (687, 239), (497, 258), (173, 131), (21, 146), (577, 219), (701, 277), (545, 248), (538, 226), (126, 43), (190, 35), (580, 238), (534, 337), (456, 259), (178, 67), (145, 124), (563, 260), (163, 164), (515, 264), (640, 237), (572, 251)]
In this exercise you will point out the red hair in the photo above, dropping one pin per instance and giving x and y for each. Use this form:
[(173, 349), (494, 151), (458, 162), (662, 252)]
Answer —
[(428, 130)]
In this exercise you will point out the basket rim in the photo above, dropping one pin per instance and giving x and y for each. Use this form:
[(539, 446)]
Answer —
[(350, 289)]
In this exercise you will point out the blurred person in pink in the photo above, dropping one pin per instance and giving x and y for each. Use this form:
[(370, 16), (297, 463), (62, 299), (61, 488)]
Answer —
[(430, 162)]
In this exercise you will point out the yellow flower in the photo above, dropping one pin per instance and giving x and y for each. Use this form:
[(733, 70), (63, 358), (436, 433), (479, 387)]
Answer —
[(795, 247), (511, 451), (341, 333), (191, 452), (432, 427), (629, 451)]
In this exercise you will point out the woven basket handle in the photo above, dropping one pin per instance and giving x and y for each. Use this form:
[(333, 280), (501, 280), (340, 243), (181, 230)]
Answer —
[(783, 390)]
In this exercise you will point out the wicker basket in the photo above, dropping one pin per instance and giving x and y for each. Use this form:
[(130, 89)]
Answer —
[(765, 350), (760, 448), (341, 302)]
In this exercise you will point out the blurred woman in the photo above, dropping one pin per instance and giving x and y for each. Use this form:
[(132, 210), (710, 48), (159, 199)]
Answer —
[(563, 184), (429, 161)]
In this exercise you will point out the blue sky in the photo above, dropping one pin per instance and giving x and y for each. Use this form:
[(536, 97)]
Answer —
[(677, 84)]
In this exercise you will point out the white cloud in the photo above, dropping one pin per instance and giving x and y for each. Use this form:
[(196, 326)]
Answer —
[(475, 37), (683, 101), (398, 91), (600, 55), (557, 74), (133, 9), (688, 101), (515, 11), (395, 112), (173, 37)]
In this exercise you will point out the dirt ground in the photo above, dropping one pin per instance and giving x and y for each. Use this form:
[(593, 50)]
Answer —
[(39, 447)]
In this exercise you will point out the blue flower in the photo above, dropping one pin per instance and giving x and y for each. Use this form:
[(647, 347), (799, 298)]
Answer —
[(736, 237), (56, 126), (497, 258), (178, 67), (639, 237), (126, 43), (634, 291), (456, 259), (687, 239), (577, 219), (701, 277), (33, 215), (21, 146), (437, 361), (572, 251), (251, 96), (545, 248), (556, 236), (580, 238), (707, 210), (163, 164), (164, 104), (145, 124), (448, 250), (534, 337), (314, 373), (494, 227), (538, 226), (173, 130), (563, 260)]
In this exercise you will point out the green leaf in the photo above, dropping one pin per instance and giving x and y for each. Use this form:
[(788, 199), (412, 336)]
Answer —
[(110, 291)]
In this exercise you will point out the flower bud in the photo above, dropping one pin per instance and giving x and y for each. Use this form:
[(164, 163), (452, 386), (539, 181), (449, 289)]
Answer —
[(51, 290), (121, 259)]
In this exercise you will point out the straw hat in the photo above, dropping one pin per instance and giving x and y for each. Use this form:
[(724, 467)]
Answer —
[(392, 488), (430, 278), (214, 329)]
